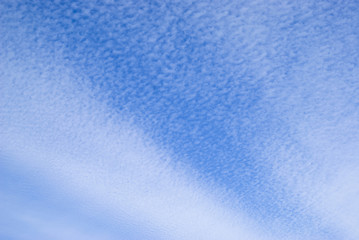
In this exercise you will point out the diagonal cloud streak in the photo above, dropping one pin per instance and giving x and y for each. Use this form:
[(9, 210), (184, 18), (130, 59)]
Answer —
[(179, 120), (89, 153)]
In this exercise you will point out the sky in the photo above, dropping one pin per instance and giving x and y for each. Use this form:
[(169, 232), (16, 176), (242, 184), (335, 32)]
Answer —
[(213, 120)]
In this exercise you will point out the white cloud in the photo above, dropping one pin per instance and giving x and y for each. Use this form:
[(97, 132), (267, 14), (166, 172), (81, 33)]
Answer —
[(91, 154), (316, 160)]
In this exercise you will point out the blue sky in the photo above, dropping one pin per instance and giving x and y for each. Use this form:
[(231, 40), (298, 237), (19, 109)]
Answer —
[(179, 119)]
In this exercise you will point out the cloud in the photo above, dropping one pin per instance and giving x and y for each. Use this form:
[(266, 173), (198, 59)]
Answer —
[(110, 104), (92, 154), (316, 158)]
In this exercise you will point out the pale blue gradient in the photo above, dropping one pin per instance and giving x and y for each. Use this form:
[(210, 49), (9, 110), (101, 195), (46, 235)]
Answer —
[(179, 119)]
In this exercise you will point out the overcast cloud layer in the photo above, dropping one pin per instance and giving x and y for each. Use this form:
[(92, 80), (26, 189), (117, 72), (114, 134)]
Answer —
[(179, 120)]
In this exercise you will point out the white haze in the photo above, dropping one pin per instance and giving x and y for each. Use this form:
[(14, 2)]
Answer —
[(99, 158)]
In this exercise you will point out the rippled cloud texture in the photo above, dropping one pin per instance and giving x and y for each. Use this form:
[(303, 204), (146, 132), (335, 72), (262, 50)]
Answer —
[(213, 120)]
